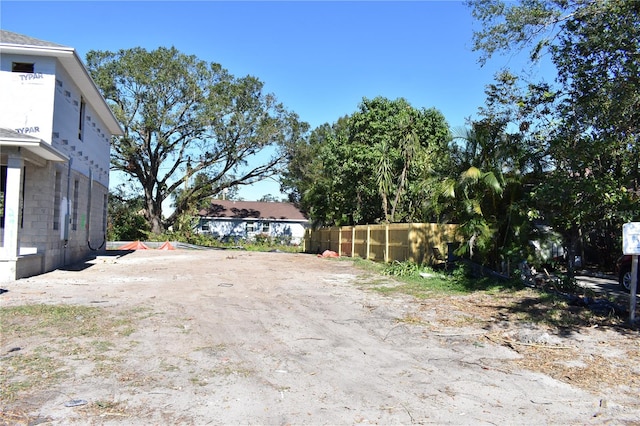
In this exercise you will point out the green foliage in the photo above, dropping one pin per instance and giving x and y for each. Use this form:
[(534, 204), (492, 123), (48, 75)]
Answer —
[(368, 167), (401, 269), (563, 153), (125, 220), (514, 26), (581, 133), (423, 281)]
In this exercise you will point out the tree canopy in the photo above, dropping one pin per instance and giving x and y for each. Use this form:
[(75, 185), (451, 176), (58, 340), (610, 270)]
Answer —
[(370, 166), (184, 117), (585, 123)]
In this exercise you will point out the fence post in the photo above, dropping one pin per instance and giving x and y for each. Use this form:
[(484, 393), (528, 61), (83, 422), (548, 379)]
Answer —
[(340, 241), (368, 242), (353, 240), (386, 243)]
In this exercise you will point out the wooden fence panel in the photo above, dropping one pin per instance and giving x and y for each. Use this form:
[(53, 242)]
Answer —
[(346, 241), (399, 244), (377, 243), (360, 242), (398, 241)]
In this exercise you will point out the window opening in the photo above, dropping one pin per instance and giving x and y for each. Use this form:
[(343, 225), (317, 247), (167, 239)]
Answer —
[(57, 191), (23, 189), (22, 67), (81, 119), (74, 221)]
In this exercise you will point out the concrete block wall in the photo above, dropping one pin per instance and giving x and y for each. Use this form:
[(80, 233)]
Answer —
[(38, 215), (37, 210)]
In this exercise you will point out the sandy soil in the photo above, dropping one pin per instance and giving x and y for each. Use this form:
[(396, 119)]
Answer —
[(222, 337)]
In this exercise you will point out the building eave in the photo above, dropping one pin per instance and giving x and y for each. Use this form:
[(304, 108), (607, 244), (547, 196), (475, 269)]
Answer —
[(40, 148)]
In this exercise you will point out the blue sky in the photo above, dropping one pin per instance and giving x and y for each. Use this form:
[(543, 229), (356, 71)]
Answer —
[(318, 58)]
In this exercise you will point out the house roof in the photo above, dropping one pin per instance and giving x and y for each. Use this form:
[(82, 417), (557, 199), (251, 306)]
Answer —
[(18, 44), (252, 210), (8, 37), (11, 138)]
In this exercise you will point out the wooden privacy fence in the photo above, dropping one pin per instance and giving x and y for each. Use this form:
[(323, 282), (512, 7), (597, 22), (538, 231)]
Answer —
[(397, 241)]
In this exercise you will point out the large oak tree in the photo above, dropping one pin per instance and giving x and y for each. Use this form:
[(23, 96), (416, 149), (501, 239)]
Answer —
[(184, 117)]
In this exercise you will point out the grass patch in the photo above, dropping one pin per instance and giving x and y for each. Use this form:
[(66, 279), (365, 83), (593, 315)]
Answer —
[(24, 372), (548, 306), (46, 340), (43, 319), (423, 281)]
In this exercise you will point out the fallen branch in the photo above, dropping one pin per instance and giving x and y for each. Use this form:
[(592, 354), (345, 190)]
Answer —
[(472, 333), (534, 345)]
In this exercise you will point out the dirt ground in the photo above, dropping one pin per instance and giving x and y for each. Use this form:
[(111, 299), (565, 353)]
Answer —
[(232, 337)]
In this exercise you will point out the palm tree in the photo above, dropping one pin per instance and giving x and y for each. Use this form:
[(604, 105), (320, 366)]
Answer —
[(479, 184)]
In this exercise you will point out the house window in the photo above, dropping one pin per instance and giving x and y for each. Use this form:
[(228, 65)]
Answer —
[(265, 227), (205, 226), (251, 227), (74, 220), (22, 67), (56, 200), (81, 119)]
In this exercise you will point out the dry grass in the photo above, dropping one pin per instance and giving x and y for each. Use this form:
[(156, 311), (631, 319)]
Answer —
[(576, 346), (45, 341)]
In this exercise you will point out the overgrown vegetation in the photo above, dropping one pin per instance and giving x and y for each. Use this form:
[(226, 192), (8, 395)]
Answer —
[(424, 281), (560, 153), (558, 302)]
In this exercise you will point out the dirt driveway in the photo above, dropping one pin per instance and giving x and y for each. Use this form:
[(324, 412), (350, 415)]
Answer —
[(222, 337)]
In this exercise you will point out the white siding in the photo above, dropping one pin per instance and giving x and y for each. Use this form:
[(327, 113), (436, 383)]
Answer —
[(27, 99), (89, 155), (237, 229)]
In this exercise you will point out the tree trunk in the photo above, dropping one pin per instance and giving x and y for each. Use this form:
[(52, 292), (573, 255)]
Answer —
[(383, 195), (153, 214), (156, 225)]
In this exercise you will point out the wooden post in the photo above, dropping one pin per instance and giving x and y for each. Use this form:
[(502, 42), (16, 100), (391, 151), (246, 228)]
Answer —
[(353, 241), (368, 242), (386, 243), (340, 241)]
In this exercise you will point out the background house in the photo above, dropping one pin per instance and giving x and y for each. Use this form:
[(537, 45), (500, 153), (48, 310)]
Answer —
[(55, 135), (247, 219)]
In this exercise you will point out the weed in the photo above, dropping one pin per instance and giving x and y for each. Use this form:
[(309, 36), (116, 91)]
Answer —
[(401, 269), (27, 371), (410, 319)]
